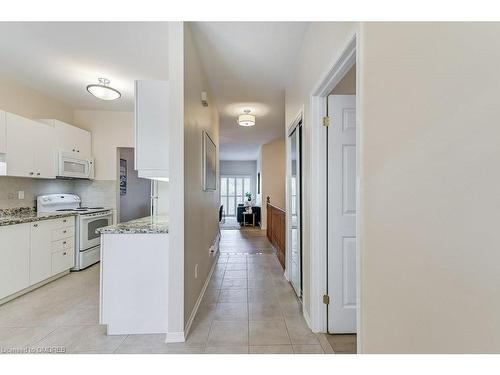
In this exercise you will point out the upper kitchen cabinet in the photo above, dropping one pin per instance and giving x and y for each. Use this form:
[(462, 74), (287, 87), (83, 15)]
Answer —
[(70, 138), (29, 148), (152, 129)]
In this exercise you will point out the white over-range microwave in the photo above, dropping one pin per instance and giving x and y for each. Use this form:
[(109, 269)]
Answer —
[(70, 165)]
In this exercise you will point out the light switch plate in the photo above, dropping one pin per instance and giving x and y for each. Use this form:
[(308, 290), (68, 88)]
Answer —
[(20, 194)]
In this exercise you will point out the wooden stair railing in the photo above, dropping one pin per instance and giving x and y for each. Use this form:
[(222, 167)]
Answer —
[(276, 229)]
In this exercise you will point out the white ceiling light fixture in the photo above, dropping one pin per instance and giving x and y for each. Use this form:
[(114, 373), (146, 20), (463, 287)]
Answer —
[(246, 119), (103, 91)]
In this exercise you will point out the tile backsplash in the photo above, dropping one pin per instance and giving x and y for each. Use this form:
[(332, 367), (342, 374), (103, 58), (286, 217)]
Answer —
[(96, 193)]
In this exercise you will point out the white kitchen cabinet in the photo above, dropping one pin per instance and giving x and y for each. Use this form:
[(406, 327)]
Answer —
[(30, 148), (34, 252), (152, 129), (3, 132), (41, 251), (70, 138), (14, 258), (62, 260)]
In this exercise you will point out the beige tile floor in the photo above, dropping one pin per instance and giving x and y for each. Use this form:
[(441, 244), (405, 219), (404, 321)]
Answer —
[(248, 307)]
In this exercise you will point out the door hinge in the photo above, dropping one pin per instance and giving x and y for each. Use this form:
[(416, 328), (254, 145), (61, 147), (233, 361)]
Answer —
[(326, 299), (326, 121)]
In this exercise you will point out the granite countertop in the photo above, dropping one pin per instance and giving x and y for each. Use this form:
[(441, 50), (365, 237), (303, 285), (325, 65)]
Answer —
[(10, 216), (157, 224)]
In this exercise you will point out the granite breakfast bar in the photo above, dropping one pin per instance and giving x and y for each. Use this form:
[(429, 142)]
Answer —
[(134, 276)]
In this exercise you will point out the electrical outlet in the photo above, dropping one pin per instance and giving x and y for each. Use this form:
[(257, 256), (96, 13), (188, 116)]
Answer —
[(20, 194), (196, 271)]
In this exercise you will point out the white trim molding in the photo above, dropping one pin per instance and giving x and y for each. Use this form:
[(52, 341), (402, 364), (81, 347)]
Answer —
[(319, 193), (175, 337), (288, 174)]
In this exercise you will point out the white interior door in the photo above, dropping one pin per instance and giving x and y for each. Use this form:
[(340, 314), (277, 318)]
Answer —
[(342, 214)]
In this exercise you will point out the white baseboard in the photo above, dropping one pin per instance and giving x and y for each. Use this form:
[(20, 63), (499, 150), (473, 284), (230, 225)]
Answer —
[(175, 337), (307, 319), (32, 287), (200, 297)]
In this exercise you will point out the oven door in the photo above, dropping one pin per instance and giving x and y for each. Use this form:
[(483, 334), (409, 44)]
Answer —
[(88, 225)]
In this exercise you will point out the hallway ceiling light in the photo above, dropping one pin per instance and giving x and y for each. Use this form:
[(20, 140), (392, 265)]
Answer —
[(102, 90), (247, 119)]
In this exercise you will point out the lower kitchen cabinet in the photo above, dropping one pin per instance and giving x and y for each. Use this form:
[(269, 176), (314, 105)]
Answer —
[(62, 260), (14, 258), (40, 251), (33, 252)]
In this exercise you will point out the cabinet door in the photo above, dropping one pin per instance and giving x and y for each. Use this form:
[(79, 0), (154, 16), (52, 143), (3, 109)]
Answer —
[(44, 151), (14, 258), (41, 251), (20, 143), (151, 128), (3, 132), (63, 260), (73, 139)]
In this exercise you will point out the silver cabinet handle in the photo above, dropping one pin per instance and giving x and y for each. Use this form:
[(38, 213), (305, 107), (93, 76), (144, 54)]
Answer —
[(35, 225), (31, 173), (64, 242), (65, 253), (64, 231), (38, 174), (64, 220)]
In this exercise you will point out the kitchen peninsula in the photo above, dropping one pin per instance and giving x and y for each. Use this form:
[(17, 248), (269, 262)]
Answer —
[(134, 276)]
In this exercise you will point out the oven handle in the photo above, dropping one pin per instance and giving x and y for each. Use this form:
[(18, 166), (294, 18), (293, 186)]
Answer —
[(87, 217)]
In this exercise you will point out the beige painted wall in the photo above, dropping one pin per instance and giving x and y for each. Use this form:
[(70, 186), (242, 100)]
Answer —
[(201, 215), (323, 43), (109, 130), (273, 175), (347, 85), (26, 102), (430, 157)]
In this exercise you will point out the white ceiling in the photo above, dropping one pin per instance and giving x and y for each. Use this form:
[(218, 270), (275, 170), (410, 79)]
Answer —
[(248, 65), (61, 58)]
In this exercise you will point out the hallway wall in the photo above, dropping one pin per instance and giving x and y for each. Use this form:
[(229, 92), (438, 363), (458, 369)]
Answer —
[(430, 263), (273, 176), (201, 208)]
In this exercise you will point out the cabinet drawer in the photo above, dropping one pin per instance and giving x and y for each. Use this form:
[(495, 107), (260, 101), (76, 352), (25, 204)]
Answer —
[(60, 233), (64, 244), (62, 261), (64, 222)]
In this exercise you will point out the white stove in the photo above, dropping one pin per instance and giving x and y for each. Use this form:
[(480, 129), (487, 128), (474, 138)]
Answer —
[(88, 219)]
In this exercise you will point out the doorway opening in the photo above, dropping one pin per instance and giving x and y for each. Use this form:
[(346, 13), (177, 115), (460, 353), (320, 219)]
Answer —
[(295, 200), (335, 203), (133, 193)]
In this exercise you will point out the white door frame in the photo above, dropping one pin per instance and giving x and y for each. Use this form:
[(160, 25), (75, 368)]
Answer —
[(288, 212), (319, 230)]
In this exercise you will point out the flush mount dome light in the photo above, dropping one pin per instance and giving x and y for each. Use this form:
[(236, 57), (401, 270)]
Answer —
[(102, 90), (247, 119)]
